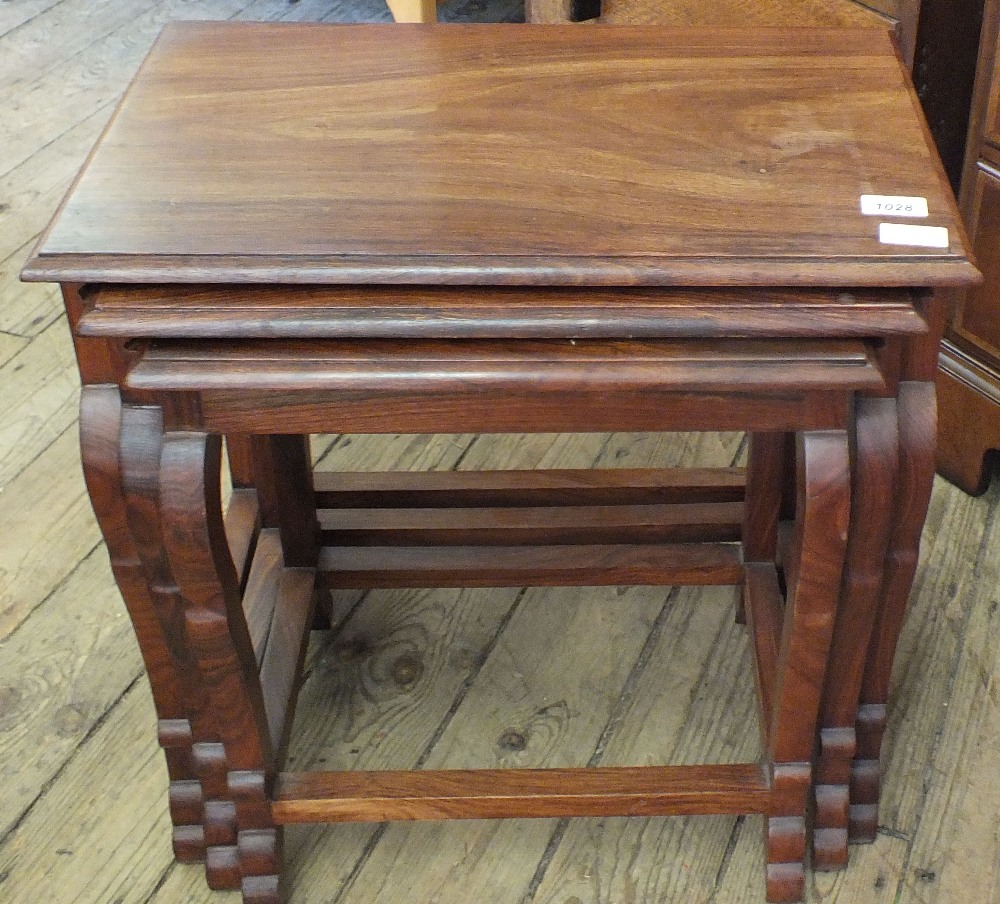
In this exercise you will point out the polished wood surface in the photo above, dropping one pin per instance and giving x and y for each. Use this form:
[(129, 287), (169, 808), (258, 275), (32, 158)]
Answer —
[(520, 386), (450, 165), (416, 312), (536, 793)]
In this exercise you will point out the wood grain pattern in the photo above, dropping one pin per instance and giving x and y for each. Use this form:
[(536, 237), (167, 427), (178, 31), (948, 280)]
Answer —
[(45, 506), (42, 396), (537, 793), (538, 680), (481, 222), (123, 856), (262, 589), (369, 367), (535, 566), (242, 530), (734, 14), (414, 312), (543, 486), (62, 676), (548, 525), (967, 431), (283, 473), (113, 467), (917, 427), (874, 475), (764, 608), (900, 15), (694, 703), (233, 745), (822, 520)]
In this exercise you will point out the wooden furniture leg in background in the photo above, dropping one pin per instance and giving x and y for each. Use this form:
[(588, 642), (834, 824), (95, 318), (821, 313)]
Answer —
[(541, 12), (791, 647), (239, 452), (283, 467), (101, 431), (233, 751), (243, 510), (766, 474), (916, 411), (917, 425), (874, 457)]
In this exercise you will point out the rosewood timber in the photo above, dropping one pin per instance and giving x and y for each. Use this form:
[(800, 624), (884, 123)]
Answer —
[(644, 202), (520, 793), (522, 488), (548, 525), (492, 312), (531, 566)]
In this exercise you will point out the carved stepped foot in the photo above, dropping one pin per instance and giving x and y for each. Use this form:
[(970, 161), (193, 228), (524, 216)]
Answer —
[(866, 774), (233, 743), (785, 837), (832, 792)]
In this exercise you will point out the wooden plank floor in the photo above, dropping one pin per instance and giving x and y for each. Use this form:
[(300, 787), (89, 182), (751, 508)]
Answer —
[(422, 678)]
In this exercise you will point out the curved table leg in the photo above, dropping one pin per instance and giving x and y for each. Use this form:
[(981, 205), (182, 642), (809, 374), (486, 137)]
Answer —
[(106, 438), (232, 750), (917, 424), (873, 479), (821, 527)]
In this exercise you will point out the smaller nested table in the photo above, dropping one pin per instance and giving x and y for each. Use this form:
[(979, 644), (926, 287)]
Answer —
[(297, 229)]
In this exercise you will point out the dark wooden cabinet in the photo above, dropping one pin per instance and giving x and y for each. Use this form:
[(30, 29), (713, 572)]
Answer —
[(944, 72), (969, 379)]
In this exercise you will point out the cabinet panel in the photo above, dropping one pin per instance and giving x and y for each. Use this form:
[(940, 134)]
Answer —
[(993, 120), (990, 74), (978, 315), (969, 379)]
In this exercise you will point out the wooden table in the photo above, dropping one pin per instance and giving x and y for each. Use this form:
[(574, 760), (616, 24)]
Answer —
[(289, 229)]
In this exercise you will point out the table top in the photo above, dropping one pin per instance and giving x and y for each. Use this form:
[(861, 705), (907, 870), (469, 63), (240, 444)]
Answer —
[(291, 153)]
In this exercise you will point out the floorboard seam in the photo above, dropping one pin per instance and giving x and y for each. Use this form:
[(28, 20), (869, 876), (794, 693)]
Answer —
[(555, 839), (460, 696), (20, 25), (360, 863), (618, 712), (58, 586), (727, 856), (161, 881), (464, 453), (930, 768), (44, 789), (113, 102), (470, 679)]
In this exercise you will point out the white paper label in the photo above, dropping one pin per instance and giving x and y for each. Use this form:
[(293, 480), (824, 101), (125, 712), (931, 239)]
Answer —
[(908, 234), (893, 206)]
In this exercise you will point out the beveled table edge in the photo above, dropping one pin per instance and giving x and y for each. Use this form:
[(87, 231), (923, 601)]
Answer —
[(481, 270)]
